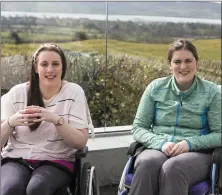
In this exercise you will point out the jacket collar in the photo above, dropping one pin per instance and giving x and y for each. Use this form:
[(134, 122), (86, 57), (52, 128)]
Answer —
[(186, 93)]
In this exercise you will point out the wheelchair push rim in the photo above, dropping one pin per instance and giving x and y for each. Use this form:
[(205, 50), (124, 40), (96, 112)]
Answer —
[(89, 182)]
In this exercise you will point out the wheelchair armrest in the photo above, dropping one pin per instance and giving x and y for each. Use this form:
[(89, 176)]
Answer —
[(217, 155), (81, 153), (133, 147)]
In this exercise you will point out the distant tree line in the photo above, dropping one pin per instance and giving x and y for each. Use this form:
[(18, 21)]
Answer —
[(155, 32)]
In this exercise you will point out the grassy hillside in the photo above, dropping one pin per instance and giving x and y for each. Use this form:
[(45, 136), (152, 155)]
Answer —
[(208, 49)]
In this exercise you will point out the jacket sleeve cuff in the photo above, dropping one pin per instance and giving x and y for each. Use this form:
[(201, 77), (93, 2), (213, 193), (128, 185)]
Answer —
[(162, 143), (189, 144)]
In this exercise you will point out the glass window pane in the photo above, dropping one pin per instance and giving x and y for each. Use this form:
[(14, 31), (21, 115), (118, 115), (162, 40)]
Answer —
[(139, 34), (77, 27)]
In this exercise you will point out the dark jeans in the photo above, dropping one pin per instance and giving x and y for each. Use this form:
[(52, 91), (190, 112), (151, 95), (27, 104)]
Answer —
[(17, 178)]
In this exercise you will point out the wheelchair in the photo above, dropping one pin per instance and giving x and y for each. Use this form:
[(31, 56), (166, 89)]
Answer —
[(211, 187), (84, 180)]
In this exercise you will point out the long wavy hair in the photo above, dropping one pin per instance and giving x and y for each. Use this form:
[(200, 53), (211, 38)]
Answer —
[(34, 93)]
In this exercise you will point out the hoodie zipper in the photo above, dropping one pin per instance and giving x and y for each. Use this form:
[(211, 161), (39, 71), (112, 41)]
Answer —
[(180, 104), (181, 99)]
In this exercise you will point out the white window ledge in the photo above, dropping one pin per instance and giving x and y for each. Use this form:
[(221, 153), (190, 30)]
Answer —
[(111, 138), (113, 129)]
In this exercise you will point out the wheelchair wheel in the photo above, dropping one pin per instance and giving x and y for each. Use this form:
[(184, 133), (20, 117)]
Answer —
[(121, 189), (89, 183)]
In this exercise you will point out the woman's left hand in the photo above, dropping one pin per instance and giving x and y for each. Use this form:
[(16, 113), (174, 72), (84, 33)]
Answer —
[(40, 114), (179, 148)]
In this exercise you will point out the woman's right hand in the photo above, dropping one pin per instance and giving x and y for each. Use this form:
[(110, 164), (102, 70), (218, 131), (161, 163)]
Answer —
[(21, 118), (167, 147)]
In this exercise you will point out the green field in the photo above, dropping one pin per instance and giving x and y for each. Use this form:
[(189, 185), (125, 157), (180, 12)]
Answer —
[(207, 49)]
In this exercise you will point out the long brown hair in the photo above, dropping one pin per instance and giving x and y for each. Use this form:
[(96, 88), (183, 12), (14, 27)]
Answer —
[(34, 93)]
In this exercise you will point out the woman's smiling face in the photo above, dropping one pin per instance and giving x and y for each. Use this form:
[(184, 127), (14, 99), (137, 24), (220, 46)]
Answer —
[(49, 68), (183, 66)]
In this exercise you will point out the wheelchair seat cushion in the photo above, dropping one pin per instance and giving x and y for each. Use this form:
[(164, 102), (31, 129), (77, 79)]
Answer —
[(128, 179), (200, 188)]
